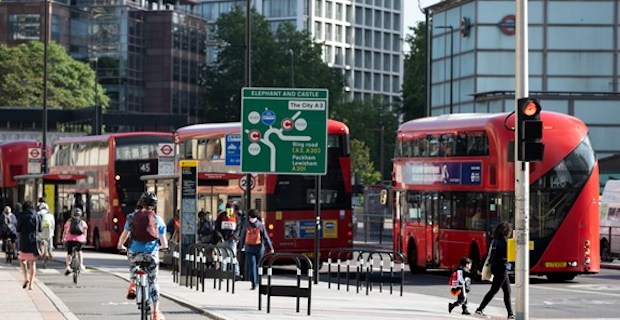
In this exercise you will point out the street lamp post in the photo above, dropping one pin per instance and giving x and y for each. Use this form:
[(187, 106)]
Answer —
[(451, 63), (292, 53), (45, 53)]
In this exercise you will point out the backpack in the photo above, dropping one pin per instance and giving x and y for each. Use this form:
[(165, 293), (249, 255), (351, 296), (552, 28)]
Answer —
[(144, 226), (252, 236), (4, 226), (75, 227), (454, 279)]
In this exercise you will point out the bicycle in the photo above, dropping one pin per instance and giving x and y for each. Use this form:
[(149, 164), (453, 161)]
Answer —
[(143, 298), (75, 264), (9, 251)]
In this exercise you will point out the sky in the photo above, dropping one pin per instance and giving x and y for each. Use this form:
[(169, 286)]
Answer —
[(412, 13)]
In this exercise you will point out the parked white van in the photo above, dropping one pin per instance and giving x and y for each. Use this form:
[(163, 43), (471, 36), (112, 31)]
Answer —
[(610, 221)]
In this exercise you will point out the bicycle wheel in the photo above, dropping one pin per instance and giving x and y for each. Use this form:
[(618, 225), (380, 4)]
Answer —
[(144, 309)]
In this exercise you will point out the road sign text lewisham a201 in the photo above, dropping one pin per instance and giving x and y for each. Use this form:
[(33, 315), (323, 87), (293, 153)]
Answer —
[(284, 130)]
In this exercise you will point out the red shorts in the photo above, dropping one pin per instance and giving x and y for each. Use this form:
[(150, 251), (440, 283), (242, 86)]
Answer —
[(27, 256)]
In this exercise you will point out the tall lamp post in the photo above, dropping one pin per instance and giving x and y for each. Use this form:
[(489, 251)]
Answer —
[(44, 118), (451, 62), (292, 53)]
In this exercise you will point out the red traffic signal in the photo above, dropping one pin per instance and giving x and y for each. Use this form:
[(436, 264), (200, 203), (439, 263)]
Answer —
[(530, 129)]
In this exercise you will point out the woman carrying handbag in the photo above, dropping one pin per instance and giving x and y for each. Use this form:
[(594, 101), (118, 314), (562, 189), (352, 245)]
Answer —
[(497, 257)]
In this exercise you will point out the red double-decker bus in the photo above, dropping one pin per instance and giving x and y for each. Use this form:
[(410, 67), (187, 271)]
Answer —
[(453, 182), (112, 164), (14, 161), (285, 201)]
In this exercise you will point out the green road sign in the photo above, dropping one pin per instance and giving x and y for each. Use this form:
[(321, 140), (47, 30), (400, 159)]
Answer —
[(284, 131)]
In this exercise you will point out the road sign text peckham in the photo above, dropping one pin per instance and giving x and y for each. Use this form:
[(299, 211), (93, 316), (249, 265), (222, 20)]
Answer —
[(284, 131)]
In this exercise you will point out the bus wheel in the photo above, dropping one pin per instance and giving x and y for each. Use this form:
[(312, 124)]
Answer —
[(412, 257), (560, 277), (605, 251), (96, 241)]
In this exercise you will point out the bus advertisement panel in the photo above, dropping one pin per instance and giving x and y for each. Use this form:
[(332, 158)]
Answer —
[(113, 165), (453, 182), (286, 202)]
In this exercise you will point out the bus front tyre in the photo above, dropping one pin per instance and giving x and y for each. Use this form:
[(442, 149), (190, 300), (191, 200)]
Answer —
[(96, 241)]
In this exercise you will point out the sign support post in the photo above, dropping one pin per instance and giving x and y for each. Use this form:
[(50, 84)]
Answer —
[(189, 183), (522, 168)]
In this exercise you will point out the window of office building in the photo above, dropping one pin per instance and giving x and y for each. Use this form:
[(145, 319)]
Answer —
[(328, 32), (338, 56), (395, 43), (24, 27), (367, 80), (349, 34), (387, 4), (395, 63), (318, 32), (387, 43), (386, 62), (386, 83), (368, 21), (368, 38), (339, 11), (338, 33), (359, 40), (279, 8), (328, 55), (387, 20), (377, 82), (378, 19), (358, 58), (396, 22), (349, 12), (378, 39), (397, 5), (55, 28), (328, 9), (377, 65), (359, 15), (347, 57), (317, 8), (367, 59), (395, 84), (358, 80)]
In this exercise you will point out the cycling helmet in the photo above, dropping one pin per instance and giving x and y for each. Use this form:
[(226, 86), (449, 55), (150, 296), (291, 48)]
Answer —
[(148, 199), (77, 213)]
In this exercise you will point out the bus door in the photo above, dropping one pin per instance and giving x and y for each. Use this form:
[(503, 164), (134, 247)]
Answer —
[(165, 186), (431, 208)]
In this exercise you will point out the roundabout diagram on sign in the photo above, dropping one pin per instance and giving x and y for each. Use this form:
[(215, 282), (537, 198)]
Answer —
[(284, 130)]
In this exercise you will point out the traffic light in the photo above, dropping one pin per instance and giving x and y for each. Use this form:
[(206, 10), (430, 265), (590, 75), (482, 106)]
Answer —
[(383, 197), (530, 146)]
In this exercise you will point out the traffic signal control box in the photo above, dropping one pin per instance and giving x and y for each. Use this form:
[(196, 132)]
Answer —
[(530, 130)]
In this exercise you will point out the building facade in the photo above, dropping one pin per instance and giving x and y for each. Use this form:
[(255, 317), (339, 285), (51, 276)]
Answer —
[(573, 60), (363, 38), (147, 55)]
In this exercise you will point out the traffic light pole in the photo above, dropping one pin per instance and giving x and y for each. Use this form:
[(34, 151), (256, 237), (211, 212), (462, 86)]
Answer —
[(522, 168)]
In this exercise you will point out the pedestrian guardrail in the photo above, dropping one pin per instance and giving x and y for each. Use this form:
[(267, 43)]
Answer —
[(205, 261), (370, 267), (271, 290)]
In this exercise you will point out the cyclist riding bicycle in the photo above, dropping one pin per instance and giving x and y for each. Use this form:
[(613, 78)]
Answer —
[(75, 235), (148, 236), (48, 224)]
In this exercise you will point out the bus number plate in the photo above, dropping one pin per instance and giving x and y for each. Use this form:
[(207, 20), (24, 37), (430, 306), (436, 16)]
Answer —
[(555, 264)]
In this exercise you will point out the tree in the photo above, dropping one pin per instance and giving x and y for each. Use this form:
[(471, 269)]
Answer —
[(271, 63), (71, 83), (414, 80), (361, 165), (365, 120)]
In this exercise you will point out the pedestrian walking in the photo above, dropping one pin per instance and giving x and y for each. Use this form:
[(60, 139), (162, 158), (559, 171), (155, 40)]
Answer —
[(499, 268), (460, 281), (27, 227), (254, 241), (227, 230)]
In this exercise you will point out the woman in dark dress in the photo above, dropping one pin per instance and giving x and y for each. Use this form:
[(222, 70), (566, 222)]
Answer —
[(27, 229), (499, 269)]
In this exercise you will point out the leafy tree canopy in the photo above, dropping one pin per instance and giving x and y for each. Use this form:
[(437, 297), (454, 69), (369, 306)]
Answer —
[(285, 58), (365, 120), (71, 83), (414, 80), (361, 165)]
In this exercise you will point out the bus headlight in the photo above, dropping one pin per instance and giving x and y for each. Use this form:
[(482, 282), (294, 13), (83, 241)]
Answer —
[(271, 227), (587, 244), (115, 220), (587, 261)]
